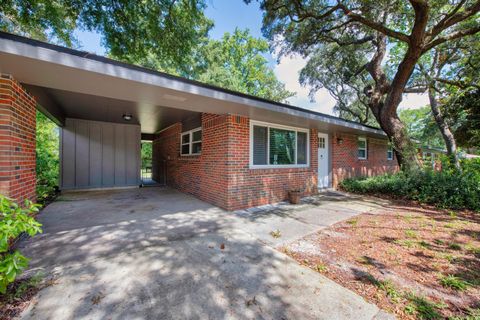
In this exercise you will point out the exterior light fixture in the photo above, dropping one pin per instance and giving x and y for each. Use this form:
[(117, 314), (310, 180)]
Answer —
[(339, 140), (127, 116)]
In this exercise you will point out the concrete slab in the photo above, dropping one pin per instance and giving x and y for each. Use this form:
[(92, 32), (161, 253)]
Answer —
[(155, 253), (296, 221)]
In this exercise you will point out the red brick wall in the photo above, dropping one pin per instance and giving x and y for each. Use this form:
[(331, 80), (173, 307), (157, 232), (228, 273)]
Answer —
[(221, 174), (252, 187), (17, 141), (345, 162), (203, 175)]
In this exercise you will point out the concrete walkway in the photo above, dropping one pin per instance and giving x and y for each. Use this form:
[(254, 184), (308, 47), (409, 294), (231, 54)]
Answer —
[(155, 253)]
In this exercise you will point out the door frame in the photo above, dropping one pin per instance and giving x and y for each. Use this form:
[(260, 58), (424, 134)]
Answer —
[(328, 162)]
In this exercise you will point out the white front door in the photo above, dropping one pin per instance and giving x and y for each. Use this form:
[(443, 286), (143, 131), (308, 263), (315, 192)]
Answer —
[(323, 172)]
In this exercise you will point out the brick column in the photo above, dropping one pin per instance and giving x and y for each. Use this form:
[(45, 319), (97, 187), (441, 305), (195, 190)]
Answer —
[(17, 141)]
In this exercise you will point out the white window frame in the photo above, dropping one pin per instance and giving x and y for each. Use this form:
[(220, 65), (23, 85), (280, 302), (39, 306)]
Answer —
[(190, 142), (389, 153), (366, 148), (282, 127)]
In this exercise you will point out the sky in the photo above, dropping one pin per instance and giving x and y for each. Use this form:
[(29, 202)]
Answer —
[(230, 14)]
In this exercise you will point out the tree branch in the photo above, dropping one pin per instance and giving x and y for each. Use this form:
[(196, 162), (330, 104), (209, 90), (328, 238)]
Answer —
[(454, 17), (458, 83), (374, 25), (452, 36)]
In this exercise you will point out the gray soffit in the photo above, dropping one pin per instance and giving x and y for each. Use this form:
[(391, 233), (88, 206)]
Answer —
[(61, 69)]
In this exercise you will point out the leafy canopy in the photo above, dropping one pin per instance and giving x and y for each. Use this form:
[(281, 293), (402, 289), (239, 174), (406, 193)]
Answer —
[(130, 30), (237, 62), (421, 126)]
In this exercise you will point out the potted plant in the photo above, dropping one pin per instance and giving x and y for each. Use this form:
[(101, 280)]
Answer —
[(294, 196)]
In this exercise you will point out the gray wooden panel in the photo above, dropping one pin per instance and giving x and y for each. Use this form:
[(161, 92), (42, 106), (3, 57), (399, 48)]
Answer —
[(68, 154), (131, 147), (120, 156), (99, 154), (95, 154), (81, 154), (108, 155)]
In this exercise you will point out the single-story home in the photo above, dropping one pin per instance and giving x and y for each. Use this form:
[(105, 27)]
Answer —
[(227, 148)]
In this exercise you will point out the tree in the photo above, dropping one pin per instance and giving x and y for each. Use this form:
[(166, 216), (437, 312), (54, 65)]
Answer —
[(463, 110), (332, 67), (131, 30), (421, 126), (420, 25), (47, 156), (237, 62), (444, 71)]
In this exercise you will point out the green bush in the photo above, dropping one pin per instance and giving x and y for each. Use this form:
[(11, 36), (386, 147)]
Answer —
[(47, 166), (448, 188), (14, 220)]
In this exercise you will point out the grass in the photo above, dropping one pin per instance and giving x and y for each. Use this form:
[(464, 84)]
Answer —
[(411, 234), (390, 290), (424, 244), (406, 243), (422, 307), (455, 246), (353, 222), (276, 234), (322, 268), (453, 282)]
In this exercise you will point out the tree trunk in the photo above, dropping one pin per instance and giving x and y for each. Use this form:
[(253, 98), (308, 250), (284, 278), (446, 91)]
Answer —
[(444, 128), (405, 150)]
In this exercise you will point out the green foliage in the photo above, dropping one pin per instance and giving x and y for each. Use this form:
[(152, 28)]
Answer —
[(421, 126), (47, 162), (463, 111), (453, 282), (423, 308), (167, 30), (237, 62), (448, 188), (14, 221), (146, 154)]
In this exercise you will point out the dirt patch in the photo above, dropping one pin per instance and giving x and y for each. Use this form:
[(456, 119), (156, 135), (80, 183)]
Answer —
[(20, 294), (416, 262)]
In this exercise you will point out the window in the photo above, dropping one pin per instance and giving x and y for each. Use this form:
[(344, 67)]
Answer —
[(362, 148), (278, 146), (389, 153), (191, 142)]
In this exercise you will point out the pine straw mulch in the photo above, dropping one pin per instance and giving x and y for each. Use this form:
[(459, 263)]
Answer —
[(397, 256)]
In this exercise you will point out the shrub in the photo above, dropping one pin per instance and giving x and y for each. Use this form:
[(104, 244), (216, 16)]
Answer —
[(448, 188), (47, 157), (14, 220)]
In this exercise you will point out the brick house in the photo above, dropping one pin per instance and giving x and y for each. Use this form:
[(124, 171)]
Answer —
[(226, 148)]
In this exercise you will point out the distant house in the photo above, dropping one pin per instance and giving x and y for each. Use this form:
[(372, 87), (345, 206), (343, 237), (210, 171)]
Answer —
[(227, 148)]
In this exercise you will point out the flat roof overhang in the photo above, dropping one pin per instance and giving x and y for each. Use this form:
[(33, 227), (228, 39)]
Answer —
[(67, 82)]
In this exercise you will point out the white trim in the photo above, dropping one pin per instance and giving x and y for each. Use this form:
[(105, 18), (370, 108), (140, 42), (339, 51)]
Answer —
[(190, 142), (389, 152), (327, 154), (277, 126), (366, 148)]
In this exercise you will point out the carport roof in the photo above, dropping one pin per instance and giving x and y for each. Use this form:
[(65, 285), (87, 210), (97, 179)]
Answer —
[(54, 71)]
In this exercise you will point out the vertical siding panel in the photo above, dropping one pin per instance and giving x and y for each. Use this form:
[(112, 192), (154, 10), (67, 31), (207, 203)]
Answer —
[(99, 154), (108, 155), (95, 154), (68, 154), (120, 155), (131, 154), (81, 154)]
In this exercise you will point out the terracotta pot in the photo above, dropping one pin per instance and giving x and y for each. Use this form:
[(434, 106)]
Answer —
[(294, 196)]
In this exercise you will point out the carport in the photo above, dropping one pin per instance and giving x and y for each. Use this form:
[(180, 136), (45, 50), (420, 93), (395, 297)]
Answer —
[(105, 108)]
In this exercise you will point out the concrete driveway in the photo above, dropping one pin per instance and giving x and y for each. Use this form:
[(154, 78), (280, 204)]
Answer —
[(156, 253)]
